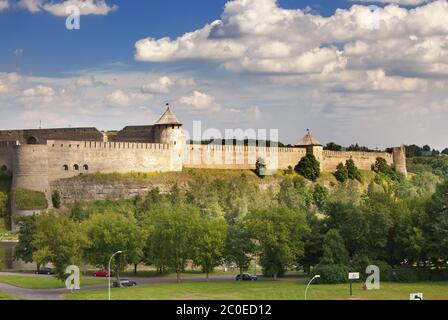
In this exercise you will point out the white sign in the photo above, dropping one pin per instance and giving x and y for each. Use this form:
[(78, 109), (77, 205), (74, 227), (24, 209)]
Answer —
[(416, 296), (353, 276)]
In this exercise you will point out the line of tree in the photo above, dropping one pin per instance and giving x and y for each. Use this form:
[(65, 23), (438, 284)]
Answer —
[(394, 223)]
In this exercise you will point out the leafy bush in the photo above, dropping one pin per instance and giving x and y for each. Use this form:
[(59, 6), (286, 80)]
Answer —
[(335, 273), (405, 274), (341, 173), (29, 200), (385, 270), (56, 199), (308, 167), (352, 171), (260, 167)]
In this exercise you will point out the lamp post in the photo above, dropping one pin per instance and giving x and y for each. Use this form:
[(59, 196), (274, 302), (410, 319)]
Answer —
[(110, 260), (315, 277)]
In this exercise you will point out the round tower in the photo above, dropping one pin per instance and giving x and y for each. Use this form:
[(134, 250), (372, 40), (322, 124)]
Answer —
[(399, 157), (168, 130)]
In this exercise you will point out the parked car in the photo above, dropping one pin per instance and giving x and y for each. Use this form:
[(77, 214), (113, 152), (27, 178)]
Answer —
[(102, 273), (245, 277), (125, 283), (44, 270)]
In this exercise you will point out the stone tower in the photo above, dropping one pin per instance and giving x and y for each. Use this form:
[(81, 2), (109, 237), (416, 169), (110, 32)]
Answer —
[(312, 146), (168, 130), (399, 156)]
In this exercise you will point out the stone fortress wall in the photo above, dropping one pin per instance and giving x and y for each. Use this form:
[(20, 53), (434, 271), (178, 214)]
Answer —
[(37, 158)]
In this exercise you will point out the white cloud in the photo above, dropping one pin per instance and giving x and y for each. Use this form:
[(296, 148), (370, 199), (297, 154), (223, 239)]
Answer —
[(86, 7), (123, 99), (161, 85), (8, 81), (258, 36), (199, 101), (39, 94), (399, 2), (4, 4)]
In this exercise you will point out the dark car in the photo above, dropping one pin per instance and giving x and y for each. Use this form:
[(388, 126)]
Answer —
[(44, 271), (124, 283), (245, 277)]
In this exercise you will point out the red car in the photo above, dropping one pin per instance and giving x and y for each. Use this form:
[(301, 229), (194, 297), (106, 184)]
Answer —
[(102, 273)]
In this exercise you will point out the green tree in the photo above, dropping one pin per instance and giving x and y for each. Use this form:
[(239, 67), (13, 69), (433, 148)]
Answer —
[(333, 267), (239, 246), (436, 225), (352, 171), (341, 173), (56, 199), (294, 194), (109, 233), (211, 244), (445, 151), (58, 240), (308, 167), (333, 147), (174, 235), (321, 197), (25, 248), (279, 232)]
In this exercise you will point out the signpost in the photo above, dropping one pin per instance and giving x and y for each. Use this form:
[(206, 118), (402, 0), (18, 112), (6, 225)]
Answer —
[(352, 276), (416, 296)]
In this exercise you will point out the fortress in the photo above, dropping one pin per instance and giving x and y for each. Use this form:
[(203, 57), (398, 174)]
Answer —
[(38, 157)]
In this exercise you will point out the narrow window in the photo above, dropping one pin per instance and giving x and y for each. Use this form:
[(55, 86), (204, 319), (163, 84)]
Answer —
[(76, 167), (65, 167), (86, 167)]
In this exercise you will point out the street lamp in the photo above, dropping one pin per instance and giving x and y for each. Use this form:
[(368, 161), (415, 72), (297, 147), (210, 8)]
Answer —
[(110, 260), (317, 276)]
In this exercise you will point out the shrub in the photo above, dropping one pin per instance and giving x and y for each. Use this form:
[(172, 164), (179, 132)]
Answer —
[(29, 200), (308, 167), (385, 270), (260, 167), (352, 171), (56, 199), (341, 173), (405, 274), (335, 273)]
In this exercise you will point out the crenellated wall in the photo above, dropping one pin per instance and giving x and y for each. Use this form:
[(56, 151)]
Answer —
[(240, 157), (70, 158), (363, 160)]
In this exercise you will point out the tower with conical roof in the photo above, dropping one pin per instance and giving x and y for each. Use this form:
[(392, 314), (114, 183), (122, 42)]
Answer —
[(312, 145), (168, 130)]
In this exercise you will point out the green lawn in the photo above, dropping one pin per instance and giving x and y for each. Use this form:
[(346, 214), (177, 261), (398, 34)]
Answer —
[(44, 282), (7, 296), (265, 290)]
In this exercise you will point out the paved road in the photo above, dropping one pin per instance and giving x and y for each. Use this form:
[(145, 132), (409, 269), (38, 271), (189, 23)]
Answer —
[(56, 294)]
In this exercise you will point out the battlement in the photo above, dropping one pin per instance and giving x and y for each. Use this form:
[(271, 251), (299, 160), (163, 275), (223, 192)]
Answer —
[(64, 144), (349, 154), (208, 147)]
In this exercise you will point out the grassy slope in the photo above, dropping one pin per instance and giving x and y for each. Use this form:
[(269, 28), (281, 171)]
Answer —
[(264, 290), (43, 282)]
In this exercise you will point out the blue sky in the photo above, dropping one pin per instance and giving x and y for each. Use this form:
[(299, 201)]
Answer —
[(289, 64)]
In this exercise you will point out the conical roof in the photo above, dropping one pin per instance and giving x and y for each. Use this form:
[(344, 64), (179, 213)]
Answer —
[(168, 118), (309, 140)]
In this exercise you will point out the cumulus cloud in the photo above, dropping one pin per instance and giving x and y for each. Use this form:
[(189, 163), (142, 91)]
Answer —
[(39, 94), (86, 7), (8, 81), (399, 2), (124, 99), (4, 4), (199, 101), (161, 85), (258, 36)]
